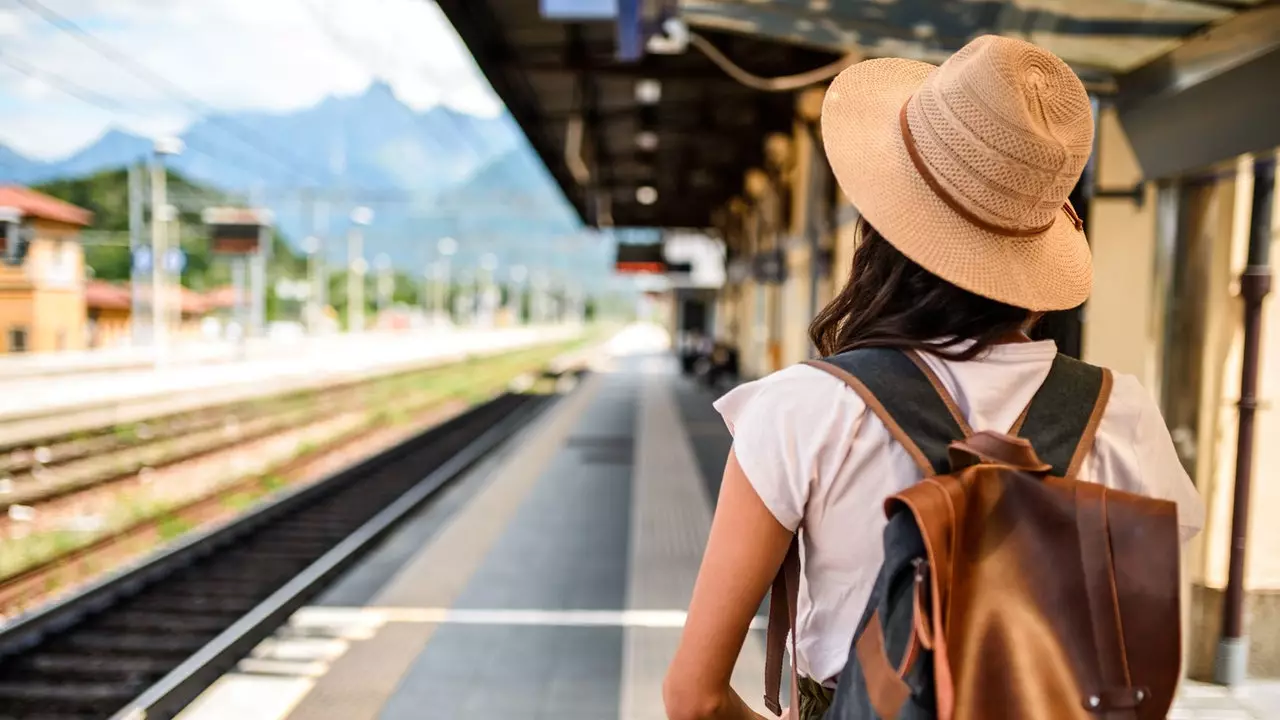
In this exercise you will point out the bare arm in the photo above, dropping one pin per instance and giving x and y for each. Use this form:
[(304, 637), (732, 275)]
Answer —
[(744, 551)]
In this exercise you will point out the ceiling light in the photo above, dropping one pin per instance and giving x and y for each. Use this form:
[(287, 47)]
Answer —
[(647, 140), (648, 91), (646, 195)]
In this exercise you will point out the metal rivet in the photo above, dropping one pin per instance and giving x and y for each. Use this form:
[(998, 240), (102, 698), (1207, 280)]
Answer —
[(1094, 701)]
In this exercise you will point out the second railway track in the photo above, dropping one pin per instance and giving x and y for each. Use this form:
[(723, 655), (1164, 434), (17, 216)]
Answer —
[(145, 643)]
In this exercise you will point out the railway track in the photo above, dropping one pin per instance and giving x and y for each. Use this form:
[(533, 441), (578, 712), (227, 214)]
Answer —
[(146, 642), (36, 475)]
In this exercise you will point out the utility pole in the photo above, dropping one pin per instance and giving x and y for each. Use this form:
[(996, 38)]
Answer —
[(361, 217), (320, 270), (258, 274), (487, 288), (136, 249), (515, 296), (160, 212), (311, 246), (385, 282), (446, 248)]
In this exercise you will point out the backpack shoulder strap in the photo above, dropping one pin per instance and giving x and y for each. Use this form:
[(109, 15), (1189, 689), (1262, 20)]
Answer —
[(1062, 419), (904, 392), (907, 397)]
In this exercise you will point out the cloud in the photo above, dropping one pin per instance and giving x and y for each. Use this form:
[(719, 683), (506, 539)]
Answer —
[(231, 55)]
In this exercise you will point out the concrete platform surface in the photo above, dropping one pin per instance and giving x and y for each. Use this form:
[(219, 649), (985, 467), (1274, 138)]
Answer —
[(551, 583)]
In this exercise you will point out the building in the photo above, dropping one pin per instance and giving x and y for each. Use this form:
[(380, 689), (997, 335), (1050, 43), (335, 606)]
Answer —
[(42, 306), (109, 309)]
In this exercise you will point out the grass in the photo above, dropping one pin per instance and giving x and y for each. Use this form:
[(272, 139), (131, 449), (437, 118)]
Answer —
[(404, 397), (172, 527)]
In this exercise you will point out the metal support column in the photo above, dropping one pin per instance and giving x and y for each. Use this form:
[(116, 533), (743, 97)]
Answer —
[(140, 334), (258, 283), (1255, 283)]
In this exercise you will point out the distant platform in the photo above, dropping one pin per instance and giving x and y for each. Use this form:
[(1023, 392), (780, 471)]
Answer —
[(32, 407)]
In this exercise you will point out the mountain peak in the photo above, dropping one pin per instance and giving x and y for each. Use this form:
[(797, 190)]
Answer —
[(379, 87)]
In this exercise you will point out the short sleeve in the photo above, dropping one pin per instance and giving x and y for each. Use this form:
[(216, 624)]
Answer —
[(791, 431), (1162, 470), (1139, 453)]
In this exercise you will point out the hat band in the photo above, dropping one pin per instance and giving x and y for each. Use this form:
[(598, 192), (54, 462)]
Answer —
[(959, 207)]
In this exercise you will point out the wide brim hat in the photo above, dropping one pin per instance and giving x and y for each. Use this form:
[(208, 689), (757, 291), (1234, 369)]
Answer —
[(966, 167)]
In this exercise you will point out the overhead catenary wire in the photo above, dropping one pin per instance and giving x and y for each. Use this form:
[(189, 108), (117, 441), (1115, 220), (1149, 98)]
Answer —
[(79, 92), (63, 84), (166, 86), (786, 83)]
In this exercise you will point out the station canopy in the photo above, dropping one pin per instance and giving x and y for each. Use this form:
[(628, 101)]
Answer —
[(643, 127)]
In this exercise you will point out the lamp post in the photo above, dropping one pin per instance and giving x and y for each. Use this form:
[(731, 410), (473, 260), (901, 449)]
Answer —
[(361, 218), (385, 281), (160, 216), (486, 288), (516, 299), (446, 248), (311, 246)]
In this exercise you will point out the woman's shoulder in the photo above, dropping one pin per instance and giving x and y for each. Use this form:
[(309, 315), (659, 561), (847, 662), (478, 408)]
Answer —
[(1129, 402), (798, 385), (796, 393)]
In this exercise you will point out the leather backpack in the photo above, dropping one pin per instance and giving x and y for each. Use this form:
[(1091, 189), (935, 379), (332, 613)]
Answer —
[(1010, 588)]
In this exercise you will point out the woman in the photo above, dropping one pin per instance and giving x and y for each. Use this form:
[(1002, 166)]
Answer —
[(962, 174)]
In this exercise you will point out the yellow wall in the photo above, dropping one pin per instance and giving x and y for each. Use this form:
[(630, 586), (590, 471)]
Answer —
[(1120, 327), (45, 295), (1263, 569), (16, 310), (796, 312), (110, 328)]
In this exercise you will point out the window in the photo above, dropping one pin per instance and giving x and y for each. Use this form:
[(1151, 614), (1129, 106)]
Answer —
[(17, 339)]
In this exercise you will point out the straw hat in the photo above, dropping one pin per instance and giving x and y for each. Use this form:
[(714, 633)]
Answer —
[(966, 167)]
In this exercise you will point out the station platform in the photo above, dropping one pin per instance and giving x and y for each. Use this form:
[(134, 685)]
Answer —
[(550, 583)]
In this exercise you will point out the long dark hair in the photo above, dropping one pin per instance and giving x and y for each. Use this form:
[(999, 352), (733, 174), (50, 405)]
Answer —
[(891, 301)]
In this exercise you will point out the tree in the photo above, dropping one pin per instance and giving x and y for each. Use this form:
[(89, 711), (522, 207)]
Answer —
[(106, 194)]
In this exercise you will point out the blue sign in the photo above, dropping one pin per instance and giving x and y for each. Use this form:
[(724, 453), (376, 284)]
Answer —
[(142, 259), (175, 261), (579, 9), (630, 31)]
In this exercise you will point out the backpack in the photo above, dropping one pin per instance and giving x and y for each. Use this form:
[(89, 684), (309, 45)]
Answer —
[(1009, 589)]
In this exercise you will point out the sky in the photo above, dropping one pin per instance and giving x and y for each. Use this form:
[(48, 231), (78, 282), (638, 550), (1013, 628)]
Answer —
[(229, 55)]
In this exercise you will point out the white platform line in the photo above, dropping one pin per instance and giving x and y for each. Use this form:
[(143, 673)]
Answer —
[(376, 616)]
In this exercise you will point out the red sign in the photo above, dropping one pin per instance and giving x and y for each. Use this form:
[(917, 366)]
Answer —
[(235, 243), (640, 268)]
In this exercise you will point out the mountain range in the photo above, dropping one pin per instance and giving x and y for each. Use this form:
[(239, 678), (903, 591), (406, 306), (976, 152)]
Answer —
[(370, 142), (424, 174)]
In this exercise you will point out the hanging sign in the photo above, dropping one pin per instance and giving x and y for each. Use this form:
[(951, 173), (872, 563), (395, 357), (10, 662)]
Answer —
[(236, 231), (640, 259), (769, 267)]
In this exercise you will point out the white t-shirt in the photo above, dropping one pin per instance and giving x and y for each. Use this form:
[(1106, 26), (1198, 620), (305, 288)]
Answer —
[(820, 461)]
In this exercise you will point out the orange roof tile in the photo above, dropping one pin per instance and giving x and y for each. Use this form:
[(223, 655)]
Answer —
[(106, 296), (39, 205)]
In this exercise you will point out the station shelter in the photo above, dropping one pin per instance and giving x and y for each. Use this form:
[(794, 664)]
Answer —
[(703, 116)]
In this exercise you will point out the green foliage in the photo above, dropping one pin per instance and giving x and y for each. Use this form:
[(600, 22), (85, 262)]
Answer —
[(172, 526), (106, 194)]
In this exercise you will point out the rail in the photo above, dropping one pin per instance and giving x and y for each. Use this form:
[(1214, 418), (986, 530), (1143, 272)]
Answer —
[(144, 642)]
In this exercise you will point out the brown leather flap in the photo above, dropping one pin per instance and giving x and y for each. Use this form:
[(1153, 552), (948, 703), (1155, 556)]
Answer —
[(988, 447), (1145, 549)]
